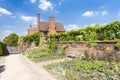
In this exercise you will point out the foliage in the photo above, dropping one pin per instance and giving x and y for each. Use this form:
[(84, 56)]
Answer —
[(20, 39), (117, 46), (39, 55), (52, 47), (34, 37), (92, 69), (11, 40), (1, 49), (110, 31)]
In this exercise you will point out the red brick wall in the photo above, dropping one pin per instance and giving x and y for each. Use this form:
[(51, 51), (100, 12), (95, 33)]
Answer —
[(32, 31), (80, 47)]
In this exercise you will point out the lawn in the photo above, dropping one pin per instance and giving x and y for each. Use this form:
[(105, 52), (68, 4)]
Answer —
[(41, 55), (86, 70)]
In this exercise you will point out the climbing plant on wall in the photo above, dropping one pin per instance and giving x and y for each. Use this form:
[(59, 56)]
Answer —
[(34, 37), (110, 31)]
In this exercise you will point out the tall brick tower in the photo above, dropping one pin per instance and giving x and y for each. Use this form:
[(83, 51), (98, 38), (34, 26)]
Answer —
[(52, 29)]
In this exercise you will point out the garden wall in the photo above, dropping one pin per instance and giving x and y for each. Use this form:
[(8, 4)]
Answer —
[(92, 48), (11, 49)]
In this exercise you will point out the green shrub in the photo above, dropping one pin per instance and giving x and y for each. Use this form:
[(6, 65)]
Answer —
[(1, 49), (117, 46), (11, 40), (52, 47)]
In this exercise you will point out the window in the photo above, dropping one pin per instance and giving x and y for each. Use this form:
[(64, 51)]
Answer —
[(45, 33)]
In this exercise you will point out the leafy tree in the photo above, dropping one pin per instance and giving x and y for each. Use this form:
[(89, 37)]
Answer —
[(11, 40)]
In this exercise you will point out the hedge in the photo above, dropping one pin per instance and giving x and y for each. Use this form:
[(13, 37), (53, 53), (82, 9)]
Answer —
[(1, 49)]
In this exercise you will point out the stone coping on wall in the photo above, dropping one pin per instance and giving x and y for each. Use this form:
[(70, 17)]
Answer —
[(99, 42)]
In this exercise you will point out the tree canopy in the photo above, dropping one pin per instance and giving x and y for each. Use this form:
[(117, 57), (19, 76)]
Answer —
[(11, 40)]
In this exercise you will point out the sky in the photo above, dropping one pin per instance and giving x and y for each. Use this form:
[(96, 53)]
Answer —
[(17, 15)]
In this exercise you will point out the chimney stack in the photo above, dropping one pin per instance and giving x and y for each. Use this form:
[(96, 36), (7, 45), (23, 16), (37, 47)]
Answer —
[(38, 19), (30, 26), (52, 29)]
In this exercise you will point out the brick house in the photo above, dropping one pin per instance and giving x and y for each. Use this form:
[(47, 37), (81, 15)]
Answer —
[(46, 28)]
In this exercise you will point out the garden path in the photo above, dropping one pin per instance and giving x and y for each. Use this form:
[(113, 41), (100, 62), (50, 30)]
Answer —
[(18, 67)]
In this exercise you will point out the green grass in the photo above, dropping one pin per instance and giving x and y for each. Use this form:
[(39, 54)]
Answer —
[(40, 55), (84, 70)]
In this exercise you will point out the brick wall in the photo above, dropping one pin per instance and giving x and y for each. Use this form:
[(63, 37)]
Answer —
[(32, 30), (81, 47)]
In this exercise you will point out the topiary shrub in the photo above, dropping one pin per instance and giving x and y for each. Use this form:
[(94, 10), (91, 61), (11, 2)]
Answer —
[(1, 49)]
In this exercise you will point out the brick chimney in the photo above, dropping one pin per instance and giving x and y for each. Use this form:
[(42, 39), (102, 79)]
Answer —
[(30, 26), (38, 19), (52, 29)]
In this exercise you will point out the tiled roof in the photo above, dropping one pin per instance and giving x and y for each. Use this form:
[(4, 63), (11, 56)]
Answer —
[(59, 27), (44, 26)]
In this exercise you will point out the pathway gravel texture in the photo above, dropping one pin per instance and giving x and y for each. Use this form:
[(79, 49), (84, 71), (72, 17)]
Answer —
[(18, 67)]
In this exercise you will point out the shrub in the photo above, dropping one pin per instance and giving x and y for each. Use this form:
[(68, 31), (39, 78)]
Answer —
[(117, 46), (52, 47), (1, 48), (11, 40)]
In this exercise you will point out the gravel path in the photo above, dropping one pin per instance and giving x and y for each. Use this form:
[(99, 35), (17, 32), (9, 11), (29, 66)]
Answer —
[(18, 67)]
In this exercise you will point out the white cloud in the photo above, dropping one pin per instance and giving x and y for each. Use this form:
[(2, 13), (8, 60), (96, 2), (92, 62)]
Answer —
[(5, 11), (72, 27), (93, 24), (45, 5), (31, 19), (94, 13), (88, 14), (33, 1), (104, 13)]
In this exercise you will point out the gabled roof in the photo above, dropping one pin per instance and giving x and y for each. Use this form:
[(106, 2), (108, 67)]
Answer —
[(44, 26)]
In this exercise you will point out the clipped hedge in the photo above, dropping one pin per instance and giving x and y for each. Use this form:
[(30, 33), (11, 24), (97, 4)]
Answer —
[(1, 49)]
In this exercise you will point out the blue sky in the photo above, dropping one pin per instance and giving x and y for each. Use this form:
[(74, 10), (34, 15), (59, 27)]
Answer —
[(17, 15)]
